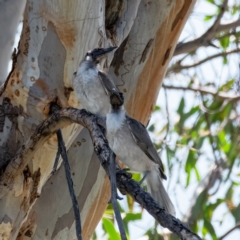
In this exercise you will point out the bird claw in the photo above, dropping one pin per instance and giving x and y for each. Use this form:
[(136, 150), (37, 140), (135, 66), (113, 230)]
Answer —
[(117, 197), (124, 172), (144, 177)]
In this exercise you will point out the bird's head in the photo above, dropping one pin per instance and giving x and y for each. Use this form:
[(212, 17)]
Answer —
[(96, 54)]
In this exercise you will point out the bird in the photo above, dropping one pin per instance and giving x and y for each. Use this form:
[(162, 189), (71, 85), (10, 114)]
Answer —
[(130, 141), (91, 85)]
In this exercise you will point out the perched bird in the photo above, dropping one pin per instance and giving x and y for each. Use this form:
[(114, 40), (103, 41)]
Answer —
[(130, 141), (93, 86)]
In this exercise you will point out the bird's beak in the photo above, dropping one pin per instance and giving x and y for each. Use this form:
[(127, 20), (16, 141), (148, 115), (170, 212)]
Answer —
[(102, 51)]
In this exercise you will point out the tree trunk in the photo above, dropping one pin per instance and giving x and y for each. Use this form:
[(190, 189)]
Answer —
[(56, 34)]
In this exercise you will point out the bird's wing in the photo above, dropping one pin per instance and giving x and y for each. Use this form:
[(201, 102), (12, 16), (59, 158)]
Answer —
[(107, 83), (142, 138)]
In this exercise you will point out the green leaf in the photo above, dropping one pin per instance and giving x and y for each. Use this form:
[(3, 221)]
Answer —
[(225, 146), (224, 42), (227, 86), (130, 201), (94, 236), (181, 106), (190, 164), (151, 128), (211, 207), (157, 108), (225, 60), (211, 1), (235, 9), (229, 193), (192, 111), (136, 176), (210, 229), (110, 230), (236, 213), (165, 127), (184, 116), (199, 142), (198, 208), (197, 174), (208, 17), (132, 217)]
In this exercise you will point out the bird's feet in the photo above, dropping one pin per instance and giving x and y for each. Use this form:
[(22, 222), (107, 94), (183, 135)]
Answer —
[(117, 198), (144, 177), (124, 172)]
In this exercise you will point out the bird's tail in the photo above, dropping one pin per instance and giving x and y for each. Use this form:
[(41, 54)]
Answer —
[(158, 192)]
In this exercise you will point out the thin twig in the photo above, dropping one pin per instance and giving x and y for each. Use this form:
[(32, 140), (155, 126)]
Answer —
[(210, 136), (56, 160), (178, 67), (206, 38), (205, 91), (229, 231), (168, 118), (63, 151), (112, 172), (216, 23), (228, 26), (209, 111)]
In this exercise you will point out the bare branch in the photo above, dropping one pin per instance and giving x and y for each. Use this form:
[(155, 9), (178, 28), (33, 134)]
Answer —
[(216, 23), (114, 196), (125, 184), (178, 67), (63, 151), (229, 231), (205, 39), (205, 91), (228, 26)]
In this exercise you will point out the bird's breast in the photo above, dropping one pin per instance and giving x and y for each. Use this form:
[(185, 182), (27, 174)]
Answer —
[(123, 145)]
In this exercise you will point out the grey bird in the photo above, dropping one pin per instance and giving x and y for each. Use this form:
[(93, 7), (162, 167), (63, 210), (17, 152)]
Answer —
[(130, 141), (93, 86)]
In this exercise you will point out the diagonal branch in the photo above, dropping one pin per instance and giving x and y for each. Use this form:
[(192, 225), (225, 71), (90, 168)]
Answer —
[(205, 91), (63, 151), (205, 39), (178, 67), (64, 117), (228, 26), (216, 23), (237, 226)]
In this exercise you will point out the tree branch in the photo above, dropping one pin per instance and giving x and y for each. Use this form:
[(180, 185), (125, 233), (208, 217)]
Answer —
[(205, 91), (63, 151), (228, 26), (216, 23), (229, 231), (205, 39), (64, 117), (178, 67)]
